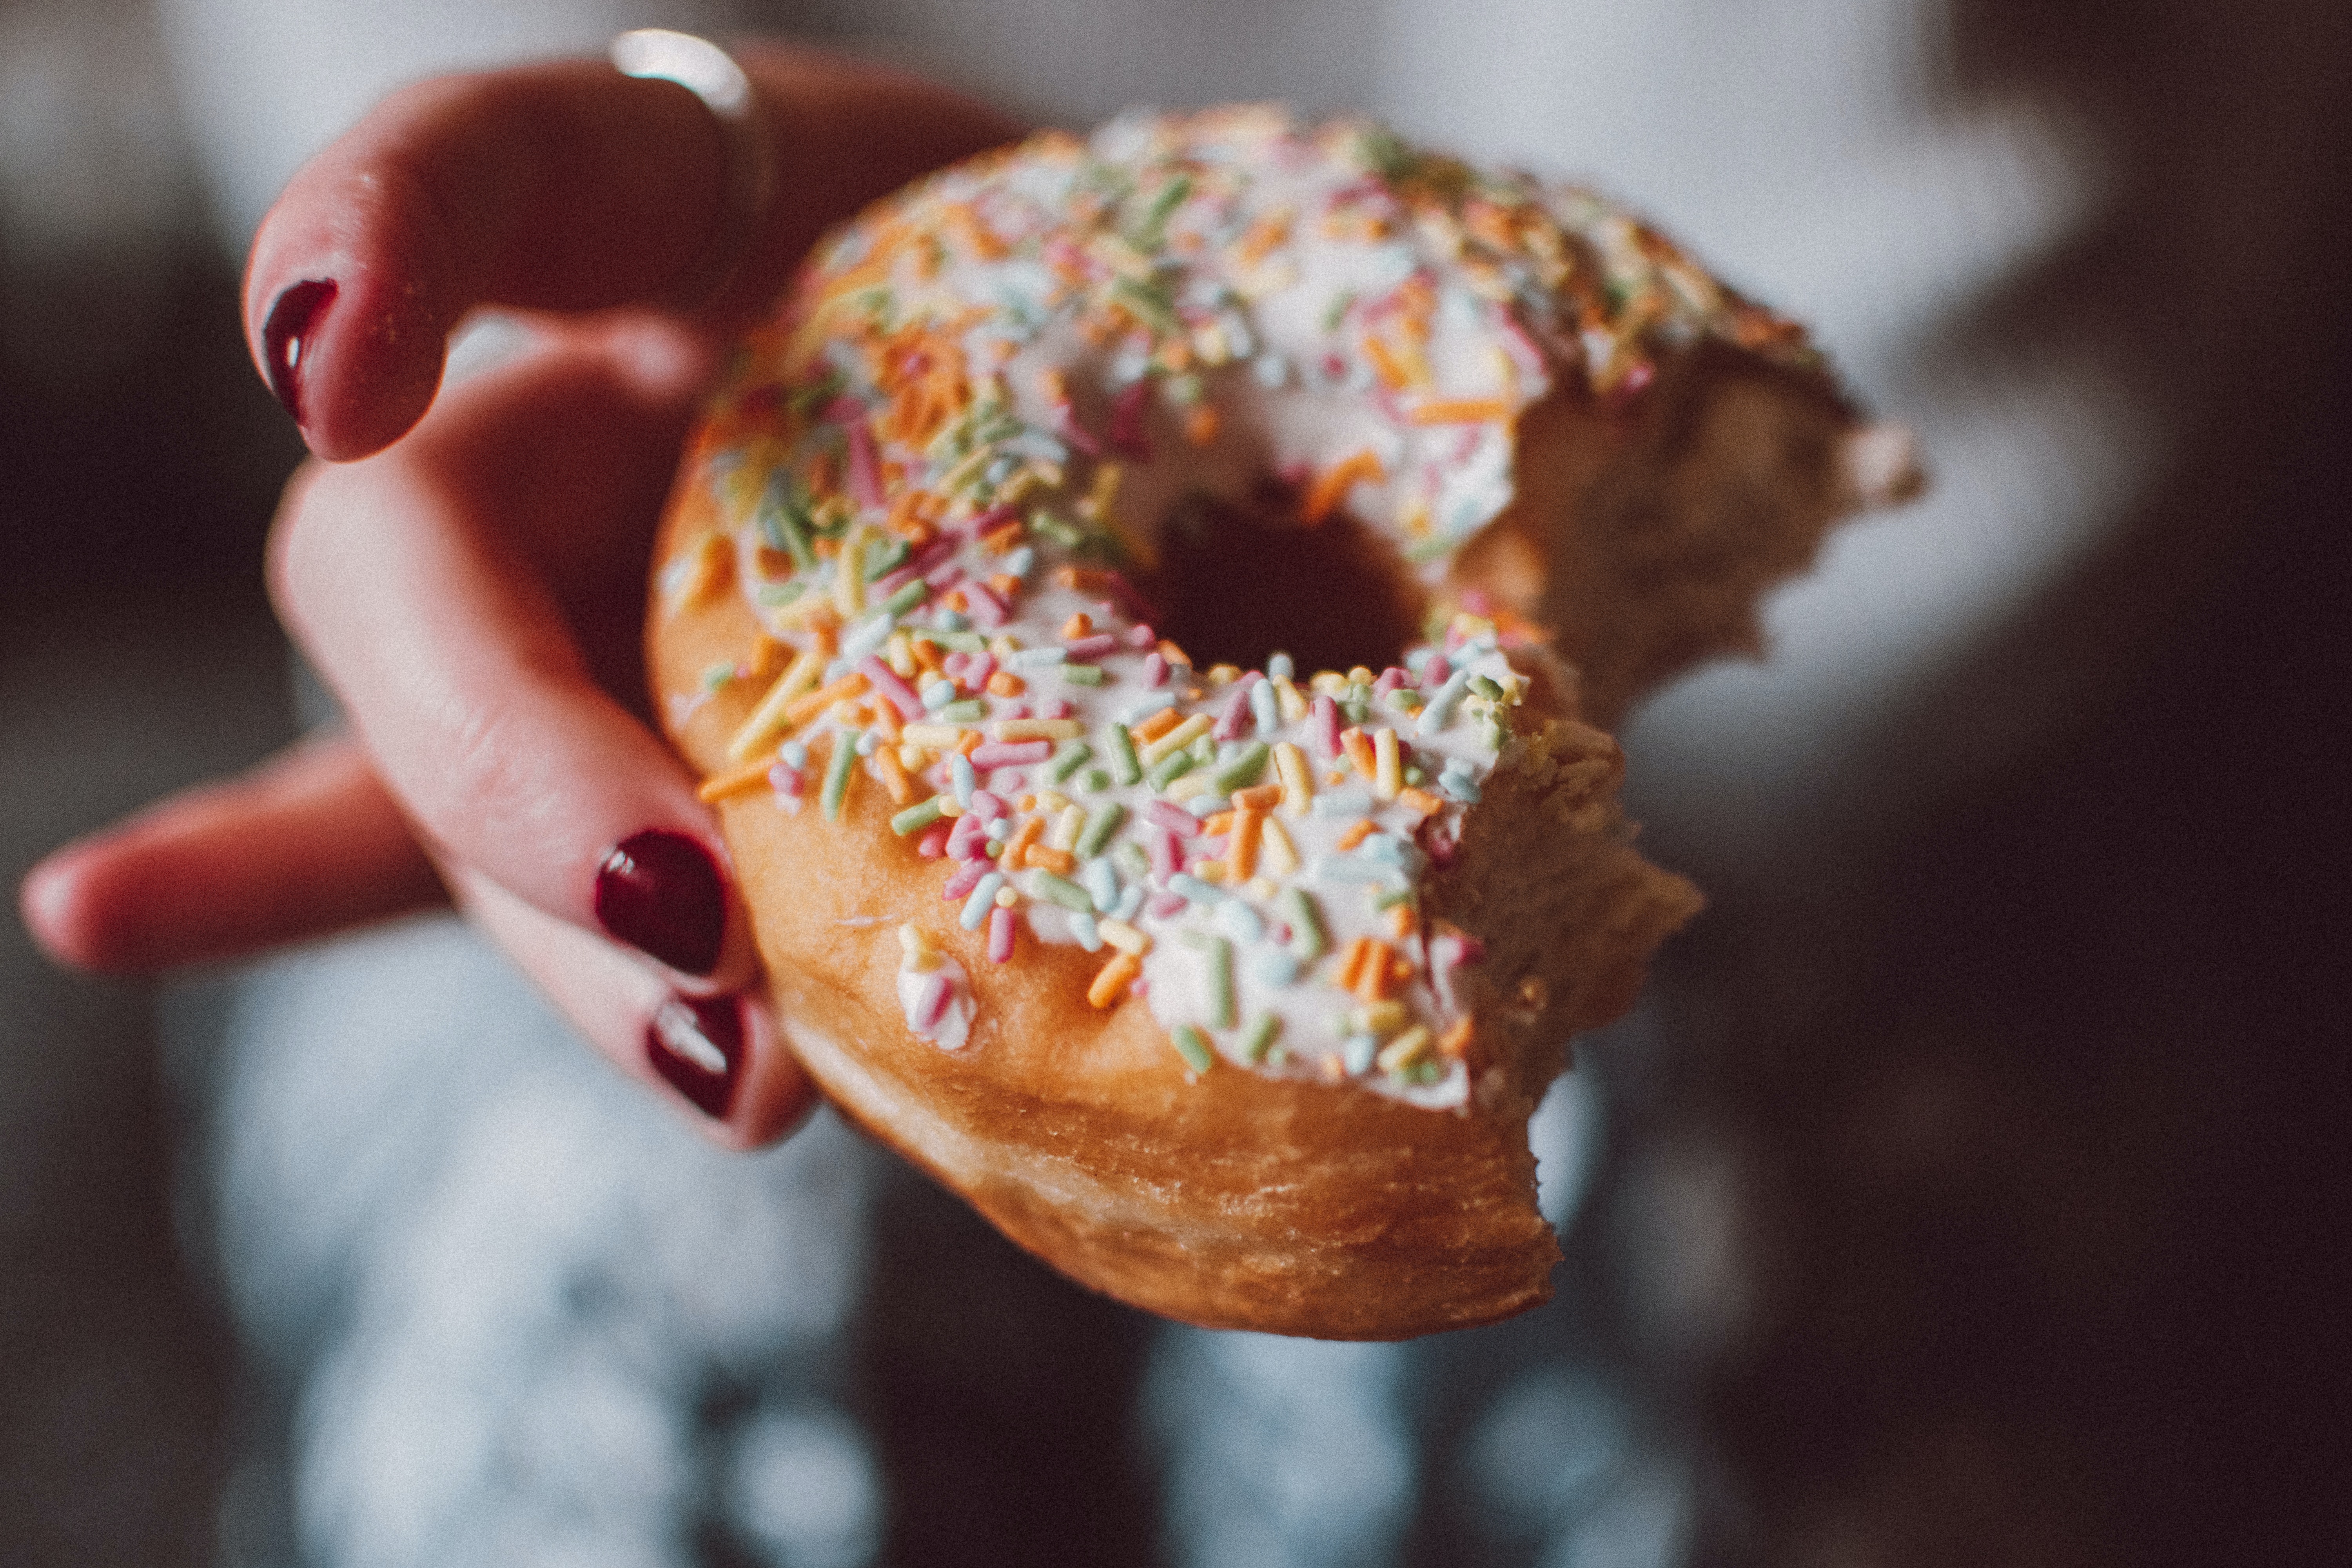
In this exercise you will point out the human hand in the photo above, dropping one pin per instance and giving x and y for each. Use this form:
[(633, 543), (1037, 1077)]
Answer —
[(467, 567)]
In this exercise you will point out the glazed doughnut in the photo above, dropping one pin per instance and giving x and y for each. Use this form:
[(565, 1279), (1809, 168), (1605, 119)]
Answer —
[(1142, 609)]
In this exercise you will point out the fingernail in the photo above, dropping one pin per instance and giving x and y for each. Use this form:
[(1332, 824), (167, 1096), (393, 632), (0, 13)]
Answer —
[(661, 893), (287, 336), (696, 1043)]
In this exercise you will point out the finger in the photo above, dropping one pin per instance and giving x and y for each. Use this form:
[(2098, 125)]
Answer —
[(444, 590), (722, 1055), (564, 186), (305, 845)]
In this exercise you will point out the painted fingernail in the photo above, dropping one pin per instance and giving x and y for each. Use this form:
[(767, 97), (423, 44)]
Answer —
[(696, 1043), (288, 334), (661, 893)]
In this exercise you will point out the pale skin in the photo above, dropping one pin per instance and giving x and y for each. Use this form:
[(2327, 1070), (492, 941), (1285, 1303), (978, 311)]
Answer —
[(467, 566)]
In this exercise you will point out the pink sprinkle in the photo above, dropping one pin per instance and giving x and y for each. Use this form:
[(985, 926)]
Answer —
[(956, 663), (1017, 710), (1078, 435), (1236, 717), (1000, 934), (1323, 720), (1475, 601), (1167, 858), (1172, 817), (1122, 593), (1435, 673), (1390, 679), (885, 680), (922, 561), (978, 666), (1127, 434), (931, 1001), (1053, 707), (984, 805), (934, 842), (994, 518), (865, 463), (967, 876), (968, 839), (986, 607), (1162, 905), (786, 780), (1093, 646), (1010, 753), (1155, 669), (1139, 636), (944, 578)]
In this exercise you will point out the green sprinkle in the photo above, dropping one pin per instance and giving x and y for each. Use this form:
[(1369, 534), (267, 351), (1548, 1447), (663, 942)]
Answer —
[(961, 642), (883, 556), (1094, 782), (1484, 686), (1428, 549), (1068, 758), (836, 771), (1169, 769), (1220, 955), (915, 818), (964, 713), (1260, 1036), (1203, 750), (1354, 707), (1338, 311), (1120, 747), (1129, 858), (1149, 301), (775, 594), (1247, 767), (1057, 530), (1423, 1071), (1390, 899), (718, 675), (1060, 891), (1193, 1047), (1081, 674), (908, 595), (1100, 826), (1307, 940), (783, 523)]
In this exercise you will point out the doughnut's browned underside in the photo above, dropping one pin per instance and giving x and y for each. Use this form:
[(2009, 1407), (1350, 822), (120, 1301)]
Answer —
[(1230, 1199)]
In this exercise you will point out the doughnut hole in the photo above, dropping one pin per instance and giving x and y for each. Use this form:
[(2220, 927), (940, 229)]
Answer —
[(1237, 582)]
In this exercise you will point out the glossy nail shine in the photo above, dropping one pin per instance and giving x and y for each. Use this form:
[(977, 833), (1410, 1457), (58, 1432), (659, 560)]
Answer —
[(288, 336), (696, 1043)]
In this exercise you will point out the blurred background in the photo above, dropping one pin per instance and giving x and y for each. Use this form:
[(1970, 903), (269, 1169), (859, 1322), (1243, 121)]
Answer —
[(1971, 1185)]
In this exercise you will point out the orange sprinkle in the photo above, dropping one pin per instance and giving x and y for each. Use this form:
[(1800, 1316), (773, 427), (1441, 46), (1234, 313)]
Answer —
[(1005, 584), (894, 774), (769, 658), (801, 710), (1356, 832), (1079, 625), (1394, 374), (1004, 683), (1028, 832), (1157, 725), (1113, 979), (1218, 824), (927, 654), (1359, 747), (1352, 964), (1061, 862), (1258, 797), (1263, 237), (1332, 485), (1201, 424), (1372, 976), (1243, 853), (1461, 411), (1420, 802), (1401, 921), (825, 629), (1174, 654), (886, 720), (999, 540), (719, 786), (1451, 1044), (968, 743)]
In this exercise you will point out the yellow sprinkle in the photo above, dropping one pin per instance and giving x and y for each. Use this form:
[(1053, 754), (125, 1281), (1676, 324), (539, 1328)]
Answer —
[(1290, 699), (1188, 786), (767, 720), (1405, 1049), (1276, 848), (1223, 674), (1036, 730), (1330, 682), (900, 654), (920, 952), (1050, 800), (1066, 827), (1213, 871), (1183, 735), (848, 581), (1297, 779), (1124, 937), (933, 737), (1381, 1019), (1388, 775)]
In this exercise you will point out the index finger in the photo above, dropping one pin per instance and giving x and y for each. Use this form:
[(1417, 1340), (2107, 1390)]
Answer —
[(566, 186)]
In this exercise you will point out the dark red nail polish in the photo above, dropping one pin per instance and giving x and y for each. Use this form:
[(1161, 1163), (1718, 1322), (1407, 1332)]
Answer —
[(661, 893), (696, 1043), (287, 336)]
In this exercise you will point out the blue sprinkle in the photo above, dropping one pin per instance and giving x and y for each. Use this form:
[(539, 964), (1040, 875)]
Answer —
[(1192, 888), (1083, 927), (1101, 883), (1035, 658), (1272, 966), (1136, 712), (793, 754), (982, 900), (961, 777), (1021, 562), (1207, 804), (1279, 668), (1131, 902), (1240, 921), (1360, 1051), (1350, 802), (1262, 708)]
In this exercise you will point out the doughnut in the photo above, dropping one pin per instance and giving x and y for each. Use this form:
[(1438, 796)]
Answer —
[(1146, 610)]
